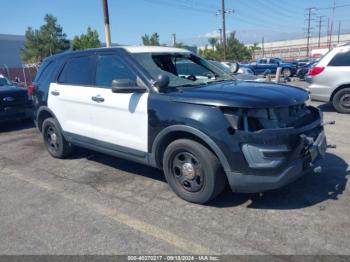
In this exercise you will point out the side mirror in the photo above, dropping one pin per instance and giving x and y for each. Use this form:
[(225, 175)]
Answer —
[(234, 67), (126, 86), (162, 81)]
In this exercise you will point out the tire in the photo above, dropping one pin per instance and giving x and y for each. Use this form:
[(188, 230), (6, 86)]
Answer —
[(192, 171), (55, 143), (341, 101), (287, 72)]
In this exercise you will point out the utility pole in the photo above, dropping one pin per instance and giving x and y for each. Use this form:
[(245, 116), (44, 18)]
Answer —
[(173, 39), (223, 13), (263, 47), (310, 9), (339, 26), (220, 32), (328, 26), (320, 29), (331, 29), (106, 22)]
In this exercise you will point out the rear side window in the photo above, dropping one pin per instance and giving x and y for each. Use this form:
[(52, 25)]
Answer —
[(42, 69), (78, 71), (111, 67), (46, 76), (341, 59)]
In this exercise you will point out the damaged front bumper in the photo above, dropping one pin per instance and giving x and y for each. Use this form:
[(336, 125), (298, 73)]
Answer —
[(277, 157)]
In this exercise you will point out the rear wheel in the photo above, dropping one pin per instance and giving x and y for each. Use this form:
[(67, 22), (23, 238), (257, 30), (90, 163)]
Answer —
[(55, 143), (341, 101), (193, 171)]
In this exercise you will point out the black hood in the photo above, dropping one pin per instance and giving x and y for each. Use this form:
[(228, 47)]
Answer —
[(242, 94)]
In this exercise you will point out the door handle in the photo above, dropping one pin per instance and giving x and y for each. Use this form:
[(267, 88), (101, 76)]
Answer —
[(55, 93), (98, 99)]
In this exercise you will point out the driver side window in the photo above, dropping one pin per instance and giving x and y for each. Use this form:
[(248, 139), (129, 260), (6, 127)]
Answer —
[(186, 67), (111, 67)]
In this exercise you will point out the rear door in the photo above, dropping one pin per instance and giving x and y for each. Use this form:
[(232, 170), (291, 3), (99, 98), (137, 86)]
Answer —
[(70, 97), (120, 120), (261, 66)]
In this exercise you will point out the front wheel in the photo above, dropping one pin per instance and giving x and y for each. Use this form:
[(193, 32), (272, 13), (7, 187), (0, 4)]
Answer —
[(193, 171), (341, 101)]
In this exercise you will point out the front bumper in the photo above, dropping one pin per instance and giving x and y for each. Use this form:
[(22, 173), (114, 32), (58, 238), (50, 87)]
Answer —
[(303, 159), (15, 113)]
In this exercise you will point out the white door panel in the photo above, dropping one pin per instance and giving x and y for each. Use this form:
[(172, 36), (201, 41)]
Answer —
[(121, 119), (72, 106)]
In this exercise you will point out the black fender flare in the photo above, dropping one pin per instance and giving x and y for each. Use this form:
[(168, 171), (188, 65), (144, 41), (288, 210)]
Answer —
[(188, 129), (45, 108)]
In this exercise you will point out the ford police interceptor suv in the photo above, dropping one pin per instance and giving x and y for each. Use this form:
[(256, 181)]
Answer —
[(170, 109)]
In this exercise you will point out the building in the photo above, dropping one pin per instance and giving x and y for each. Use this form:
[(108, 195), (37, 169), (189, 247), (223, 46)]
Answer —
[(297, 48), (10, 61)]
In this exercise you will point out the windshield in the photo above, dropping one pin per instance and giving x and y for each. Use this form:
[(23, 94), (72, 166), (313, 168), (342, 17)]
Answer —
[(4, 81), (183, 69)]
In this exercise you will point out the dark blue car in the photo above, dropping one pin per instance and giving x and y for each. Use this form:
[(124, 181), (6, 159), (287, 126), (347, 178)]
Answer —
[(262, 65)]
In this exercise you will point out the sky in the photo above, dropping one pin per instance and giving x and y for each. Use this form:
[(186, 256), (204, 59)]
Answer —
[(193, 21)]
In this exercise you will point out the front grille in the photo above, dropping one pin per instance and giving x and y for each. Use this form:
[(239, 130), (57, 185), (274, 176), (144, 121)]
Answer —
[(11, 100)]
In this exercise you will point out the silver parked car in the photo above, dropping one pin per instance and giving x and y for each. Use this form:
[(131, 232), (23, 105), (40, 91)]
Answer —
[(330, 79)]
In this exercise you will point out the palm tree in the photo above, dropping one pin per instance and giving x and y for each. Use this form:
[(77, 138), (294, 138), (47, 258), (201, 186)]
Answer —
[(213, 41)]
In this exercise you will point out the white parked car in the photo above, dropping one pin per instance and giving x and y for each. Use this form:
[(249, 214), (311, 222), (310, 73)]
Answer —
[(330, 79)]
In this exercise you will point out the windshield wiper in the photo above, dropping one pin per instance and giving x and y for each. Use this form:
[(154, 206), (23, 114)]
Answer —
[(188, 85)]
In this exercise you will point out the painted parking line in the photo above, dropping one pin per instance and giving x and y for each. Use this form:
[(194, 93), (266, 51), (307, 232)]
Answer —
[(114, 214)]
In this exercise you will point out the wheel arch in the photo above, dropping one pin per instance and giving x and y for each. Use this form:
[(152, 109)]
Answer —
[(337, 89), (172, 133), (44, 113)]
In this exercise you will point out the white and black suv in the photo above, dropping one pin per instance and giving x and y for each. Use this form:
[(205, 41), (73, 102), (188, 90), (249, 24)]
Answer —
[(173, 110)]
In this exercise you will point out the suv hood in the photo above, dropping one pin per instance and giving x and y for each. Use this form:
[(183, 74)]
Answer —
[(242, 94)]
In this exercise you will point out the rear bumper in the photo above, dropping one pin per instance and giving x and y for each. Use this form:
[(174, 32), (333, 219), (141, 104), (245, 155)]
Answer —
[(320, 92)]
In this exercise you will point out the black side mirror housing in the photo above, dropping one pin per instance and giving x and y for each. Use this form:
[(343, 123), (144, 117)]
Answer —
[(162, 81), (126, 86)]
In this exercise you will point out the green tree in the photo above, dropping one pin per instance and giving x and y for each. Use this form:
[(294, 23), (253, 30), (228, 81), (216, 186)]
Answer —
[(252, 49), (180, 45), (48, 40), (237, 51), (88, 40), (210, 54), (151, 40)]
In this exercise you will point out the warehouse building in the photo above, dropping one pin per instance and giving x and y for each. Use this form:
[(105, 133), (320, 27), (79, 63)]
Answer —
[(297, 48), (10, 62)]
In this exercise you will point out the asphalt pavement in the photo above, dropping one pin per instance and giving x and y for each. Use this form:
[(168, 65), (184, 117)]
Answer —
[(96, 204)]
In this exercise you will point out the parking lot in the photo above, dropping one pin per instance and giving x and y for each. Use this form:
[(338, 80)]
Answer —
[(96, 204)]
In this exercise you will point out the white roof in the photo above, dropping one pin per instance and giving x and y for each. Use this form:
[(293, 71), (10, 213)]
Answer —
[(154, 49)]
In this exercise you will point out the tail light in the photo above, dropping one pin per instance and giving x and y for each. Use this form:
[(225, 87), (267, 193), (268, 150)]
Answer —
[(30, 89), (315, 71)]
